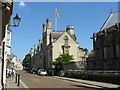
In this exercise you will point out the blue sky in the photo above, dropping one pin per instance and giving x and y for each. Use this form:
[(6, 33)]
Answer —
[(87, 18)]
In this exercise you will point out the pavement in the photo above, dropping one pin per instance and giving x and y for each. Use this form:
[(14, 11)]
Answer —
[(10, 85), (99, 84)]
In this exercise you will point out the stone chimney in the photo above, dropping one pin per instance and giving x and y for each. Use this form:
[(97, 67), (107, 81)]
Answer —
[(35, 49), (31, 51), (44, 27), (40, 42), (48, 22), (70, 29)]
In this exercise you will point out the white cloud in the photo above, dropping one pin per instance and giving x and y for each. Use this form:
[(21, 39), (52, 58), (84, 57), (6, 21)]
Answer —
[(22, 4)]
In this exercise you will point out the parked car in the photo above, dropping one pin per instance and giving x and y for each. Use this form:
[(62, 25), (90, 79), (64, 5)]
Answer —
[(38, 70), (33, 71), (42, 72)]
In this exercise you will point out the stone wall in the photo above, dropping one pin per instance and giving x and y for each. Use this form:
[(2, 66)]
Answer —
[(107, 48)]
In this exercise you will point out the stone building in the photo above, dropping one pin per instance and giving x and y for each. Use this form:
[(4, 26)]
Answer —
[(13, 62), (106, 44), (7, 50), (5, 13), (53, 44)]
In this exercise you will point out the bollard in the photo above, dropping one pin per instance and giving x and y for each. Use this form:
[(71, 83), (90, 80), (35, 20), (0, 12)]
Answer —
[(18, 79)]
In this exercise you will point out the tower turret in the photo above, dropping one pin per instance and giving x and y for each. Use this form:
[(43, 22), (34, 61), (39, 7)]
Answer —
[(48, 30)]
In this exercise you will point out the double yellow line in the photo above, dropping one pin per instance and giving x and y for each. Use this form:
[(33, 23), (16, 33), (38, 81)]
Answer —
[(24, 85)]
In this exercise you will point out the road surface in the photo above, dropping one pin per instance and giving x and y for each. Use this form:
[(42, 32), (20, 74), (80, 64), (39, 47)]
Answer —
[(35, 81)]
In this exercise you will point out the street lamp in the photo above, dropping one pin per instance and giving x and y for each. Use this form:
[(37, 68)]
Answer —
[(16, 21)]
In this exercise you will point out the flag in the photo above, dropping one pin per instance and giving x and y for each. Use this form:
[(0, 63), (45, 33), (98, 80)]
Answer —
[(57, 13)]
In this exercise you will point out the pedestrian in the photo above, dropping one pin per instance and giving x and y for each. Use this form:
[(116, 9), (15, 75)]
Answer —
[(12, 74), (7, 73)]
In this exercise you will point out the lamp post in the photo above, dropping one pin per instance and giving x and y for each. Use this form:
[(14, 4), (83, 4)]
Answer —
[(16, 21)]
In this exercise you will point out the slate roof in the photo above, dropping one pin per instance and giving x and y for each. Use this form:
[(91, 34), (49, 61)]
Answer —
[(111, 20), (57, 35), (73, 37)]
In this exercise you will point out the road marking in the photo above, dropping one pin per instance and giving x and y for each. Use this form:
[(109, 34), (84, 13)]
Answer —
[(25, 86)]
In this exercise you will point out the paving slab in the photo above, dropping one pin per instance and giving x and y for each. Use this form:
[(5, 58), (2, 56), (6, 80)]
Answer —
[(12, 85)]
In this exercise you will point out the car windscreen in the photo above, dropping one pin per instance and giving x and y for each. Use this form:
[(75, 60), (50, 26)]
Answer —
[(42, 70)]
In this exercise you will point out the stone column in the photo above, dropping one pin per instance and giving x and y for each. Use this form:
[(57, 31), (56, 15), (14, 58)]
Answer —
[(118, 50), (106, 47)]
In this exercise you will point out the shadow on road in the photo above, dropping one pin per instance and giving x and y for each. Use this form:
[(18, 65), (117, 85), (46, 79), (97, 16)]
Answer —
[(92, 88)]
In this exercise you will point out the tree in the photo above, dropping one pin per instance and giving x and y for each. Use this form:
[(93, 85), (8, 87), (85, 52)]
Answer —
[(71, 66), (26, 61), (84, 49), (62, 60), (92, 50)]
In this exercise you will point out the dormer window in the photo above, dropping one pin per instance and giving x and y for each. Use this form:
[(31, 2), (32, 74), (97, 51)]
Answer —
[(65, 40)]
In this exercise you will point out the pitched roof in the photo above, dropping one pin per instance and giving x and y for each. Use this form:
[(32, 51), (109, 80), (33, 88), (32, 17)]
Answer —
[(56, 34), (73, 37), (111, 20)]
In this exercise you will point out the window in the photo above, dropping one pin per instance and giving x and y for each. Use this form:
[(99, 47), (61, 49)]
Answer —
[(8, 40), (66, 52), (8, 32), (65, 40)]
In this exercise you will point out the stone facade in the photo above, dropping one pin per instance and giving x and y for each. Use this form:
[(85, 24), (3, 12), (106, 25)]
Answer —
[(107, 44), (5, 13), (7, 50), (53, 44)]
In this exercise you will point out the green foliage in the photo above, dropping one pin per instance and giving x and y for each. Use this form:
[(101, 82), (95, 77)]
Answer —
[(92, 50), (71, 66), (84, 49), (62, 60), (26, 60)]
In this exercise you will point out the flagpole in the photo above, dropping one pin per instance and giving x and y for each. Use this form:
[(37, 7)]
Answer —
[(55, 20)]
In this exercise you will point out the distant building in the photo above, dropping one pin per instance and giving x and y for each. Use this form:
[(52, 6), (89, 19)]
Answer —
[(53, 44), (18, 64), (11, 61), (107, 44)]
